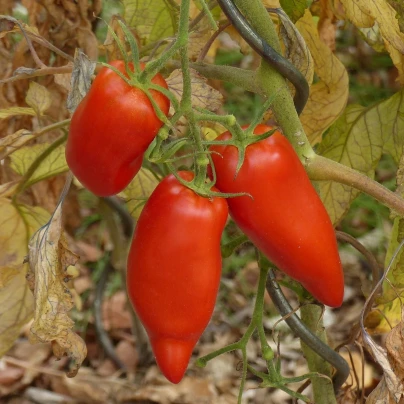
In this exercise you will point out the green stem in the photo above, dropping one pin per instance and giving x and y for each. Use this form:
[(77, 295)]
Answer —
[(209, 15), (201, 160), (239, 77), (323, 169), (155, 66), (323, 389), (228, 248), (272, 82)]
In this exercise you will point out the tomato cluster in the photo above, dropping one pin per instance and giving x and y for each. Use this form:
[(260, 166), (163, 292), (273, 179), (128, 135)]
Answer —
[(174, 263)]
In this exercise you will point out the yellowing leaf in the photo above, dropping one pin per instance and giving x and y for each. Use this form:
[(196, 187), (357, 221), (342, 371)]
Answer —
[(17, 223), (52, 164), (203, 95), (8, 189), (398, 59), (198, 39), (13, 142), (16, 305), (373, 37), (328, 96), (38, 97), (15, 111), (395, 277), (364, 13), (357, 140), (49, 259), (139, 190), (153, 19)]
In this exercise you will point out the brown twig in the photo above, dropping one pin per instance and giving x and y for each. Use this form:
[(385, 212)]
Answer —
[(43, 71), (210, 41), (347, 238)]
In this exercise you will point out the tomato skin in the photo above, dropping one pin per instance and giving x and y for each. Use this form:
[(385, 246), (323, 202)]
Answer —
[(285, 217), (110, 130), (174, 269)]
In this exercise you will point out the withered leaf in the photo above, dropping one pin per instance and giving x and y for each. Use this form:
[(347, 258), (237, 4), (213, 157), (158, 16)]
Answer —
[(203, 95), (49, 258), (83, 69)]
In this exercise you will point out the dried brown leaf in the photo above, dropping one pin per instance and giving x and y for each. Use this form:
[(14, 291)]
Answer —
[(8, 189), (364, 14), (327, 25), (83, 69), (203, 95), (63, 81), (49, 259), (13, 142), (115, 312), (391, 387)]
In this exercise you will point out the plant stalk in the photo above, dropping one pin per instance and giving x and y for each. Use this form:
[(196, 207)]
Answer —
[(323, 390)]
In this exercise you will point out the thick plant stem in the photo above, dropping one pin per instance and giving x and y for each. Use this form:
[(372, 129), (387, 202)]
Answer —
[(322, 169), (322, 387), (283, 107), (272, 82)]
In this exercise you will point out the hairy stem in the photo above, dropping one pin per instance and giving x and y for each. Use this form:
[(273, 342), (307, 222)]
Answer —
[(322, 169), (322, 388)]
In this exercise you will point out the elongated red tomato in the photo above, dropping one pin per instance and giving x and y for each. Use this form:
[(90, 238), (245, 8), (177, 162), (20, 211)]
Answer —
[(174, 269), (285, 218), (111, 129)]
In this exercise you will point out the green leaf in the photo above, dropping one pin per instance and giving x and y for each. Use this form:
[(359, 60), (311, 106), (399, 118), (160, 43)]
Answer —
[(358, 139), (139, 190), (17, 224), (152, 19), (53, 164), (294, 8)]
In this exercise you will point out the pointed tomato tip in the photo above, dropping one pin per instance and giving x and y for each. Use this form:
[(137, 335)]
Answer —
[(172, 356), (332, 299)]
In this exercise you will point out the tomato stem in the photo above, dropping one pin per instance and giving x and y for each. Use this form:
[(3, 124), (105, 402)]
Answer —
[(209, 15), (133, 46), (258, 118), (273, 378), (228, 248), (182, 40)]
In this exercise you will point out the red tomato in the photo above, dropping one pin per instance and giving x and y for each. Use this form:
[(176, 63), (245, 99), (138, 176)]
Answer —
[(111, 129), (285, 217), (174, 269)]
